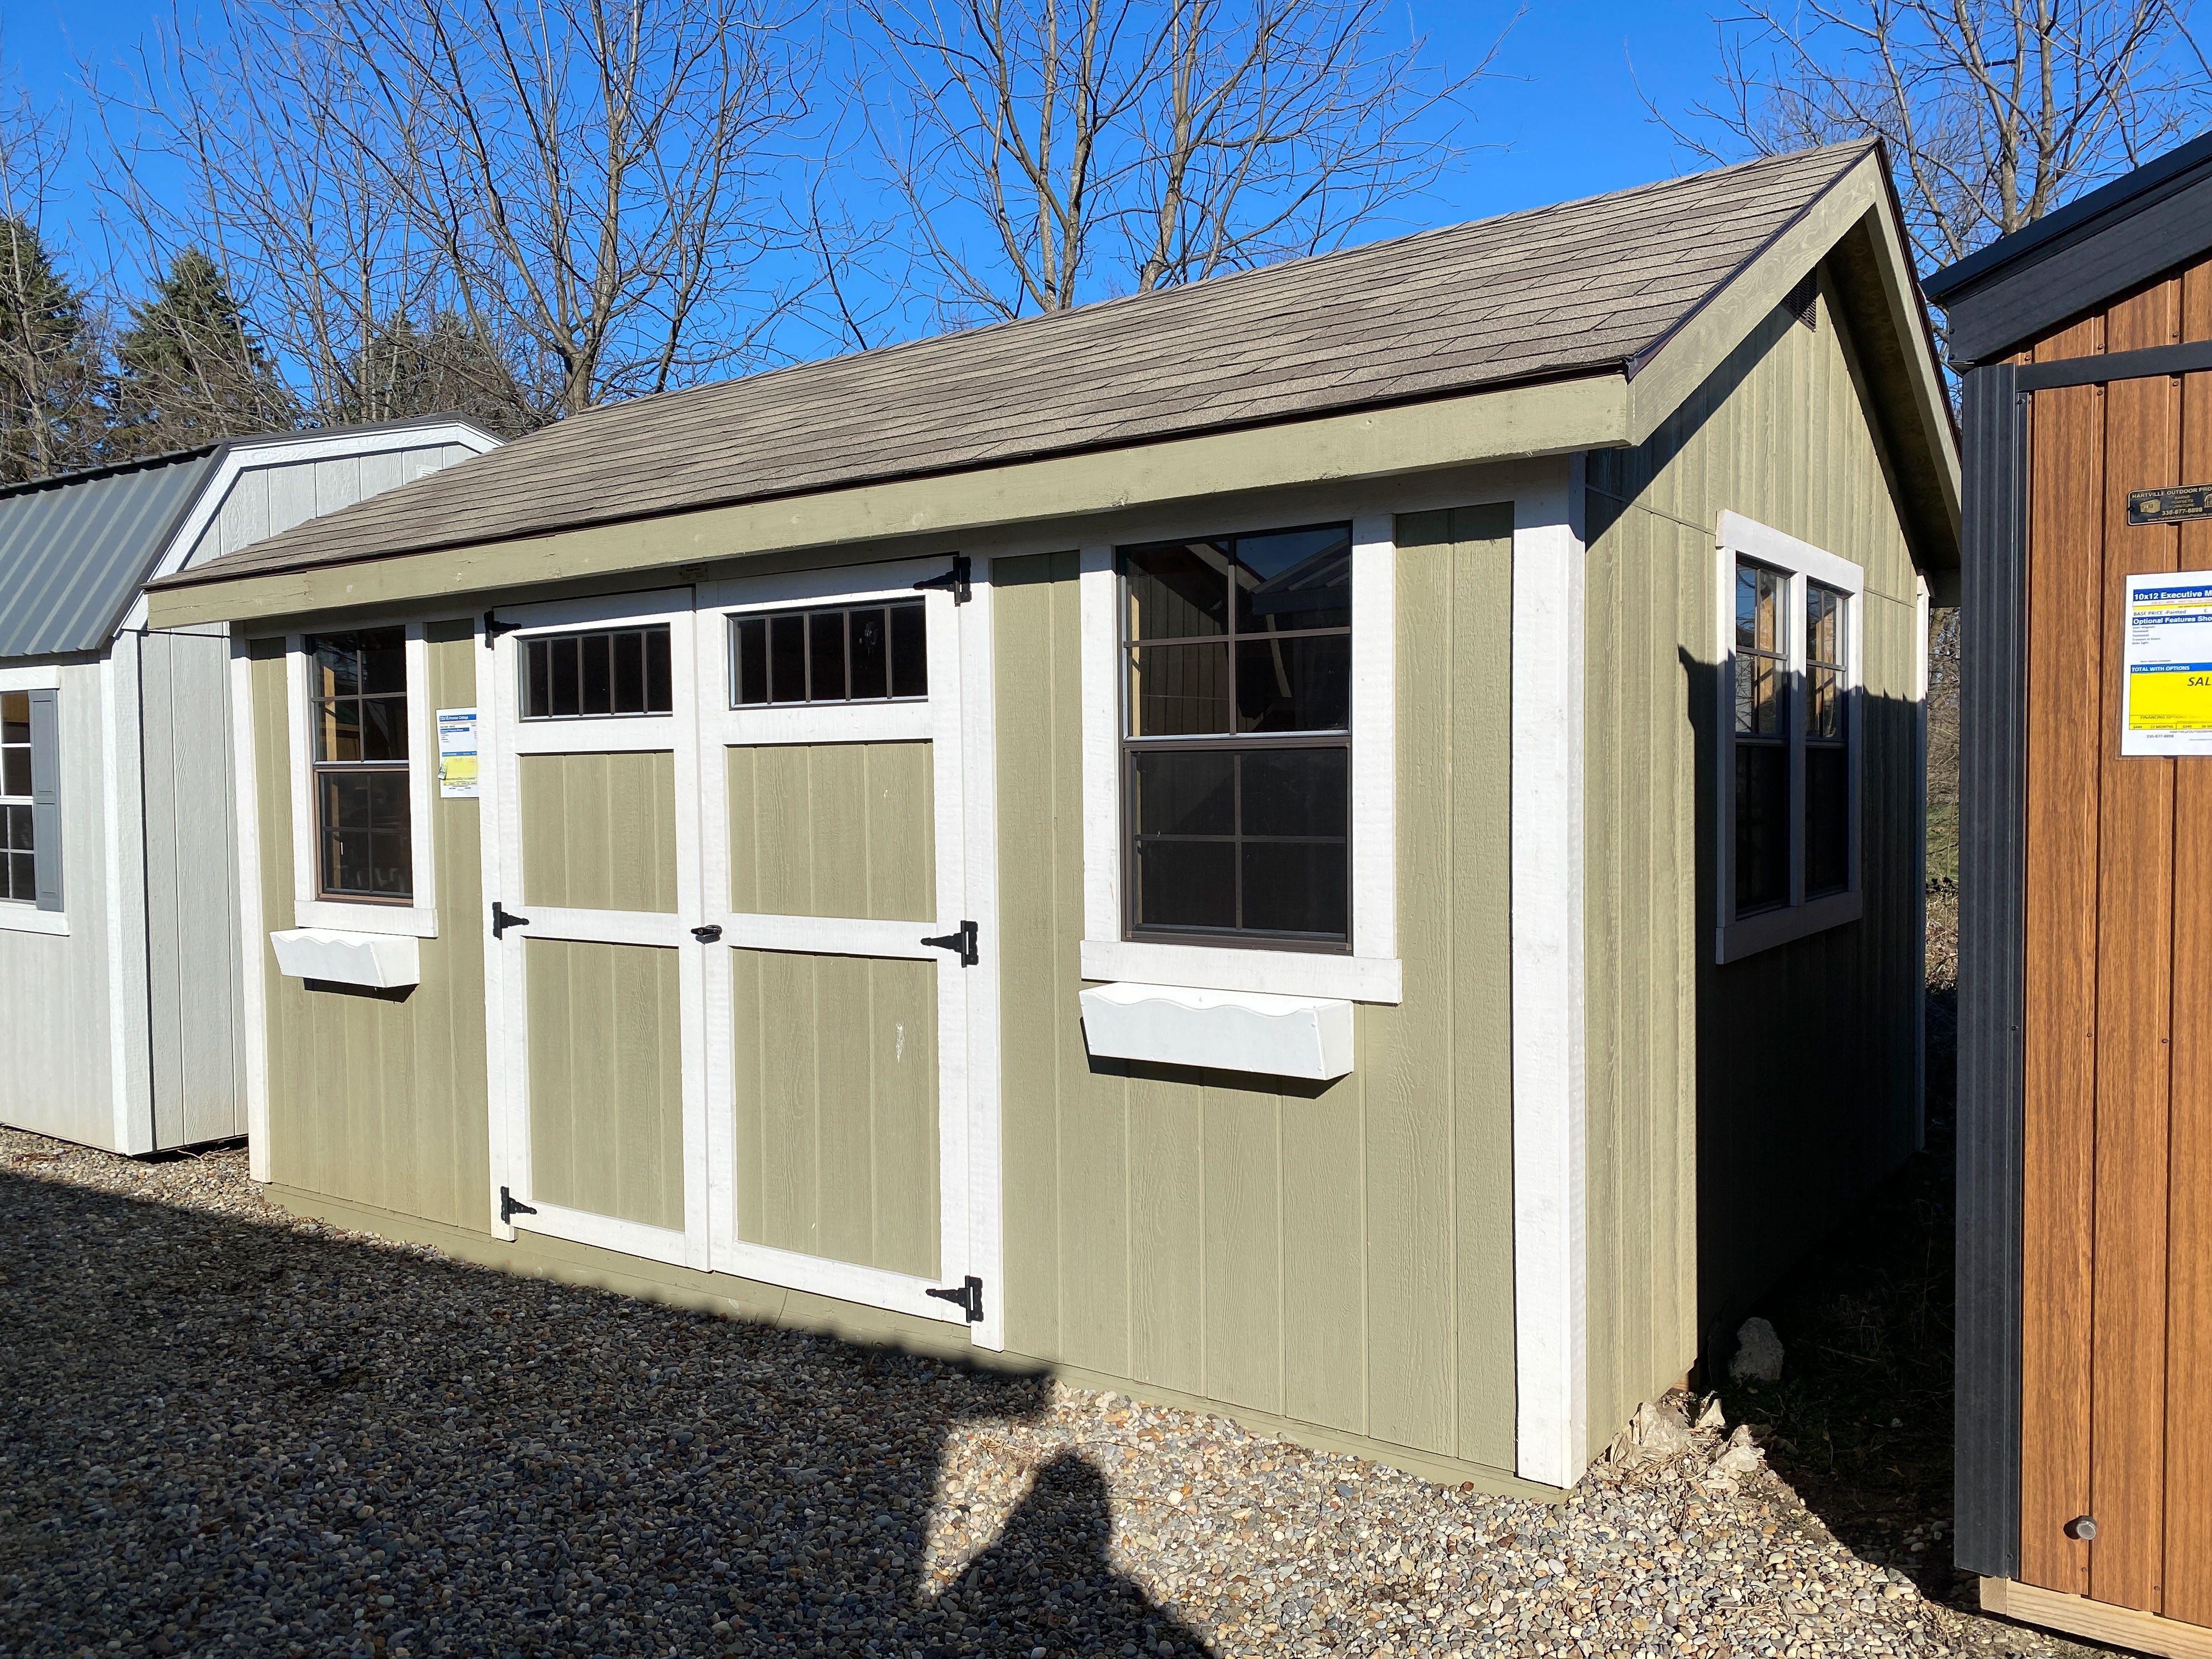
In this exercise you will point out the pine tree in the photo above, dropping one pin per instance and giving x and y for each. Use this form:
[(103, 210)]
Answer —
[(189, 368), (450, 368), (49, 363)]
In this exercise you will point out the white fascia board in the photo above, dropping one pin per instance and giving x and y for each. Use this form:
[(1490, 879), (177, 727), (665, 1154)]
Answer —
[(1549, 1244)]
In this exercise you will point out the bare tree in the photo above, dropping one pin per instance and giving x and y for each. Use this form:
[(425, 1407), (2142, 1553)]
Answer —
[(1049, 151), (586, 185), (1995, 112)]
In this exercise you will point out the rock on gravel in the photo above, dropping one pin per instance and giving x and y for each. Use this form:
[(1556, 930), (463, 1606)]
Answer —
[(223, 1430)]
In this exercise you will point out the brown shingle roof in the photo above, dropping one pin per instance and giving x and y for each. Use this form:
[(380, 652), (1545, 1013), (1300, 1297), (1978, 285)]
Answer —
[(1558, 291)]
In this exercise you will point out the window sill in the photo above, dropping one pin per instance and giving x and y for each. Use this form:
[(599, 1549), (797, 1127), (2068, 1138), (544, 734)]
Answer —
[(16, 917), (1225, 968), (1748, 937), (421, 923)]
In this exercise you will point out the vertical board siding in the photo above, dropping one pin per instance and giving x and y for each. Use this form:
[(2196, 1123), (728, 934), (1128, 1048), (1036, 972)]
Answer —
[(606, 1079), (1706, 1181), (836, 1081), (833, 829), (377, 1098), (1338, 1253), (58, 1077), (196, 1034), (598, 831), (2115, 1295), (265, 501)]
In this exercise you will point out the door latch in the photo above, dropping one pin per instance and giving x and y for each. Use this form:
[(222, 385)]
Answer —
[(967, 1296), (707, 934), (964, 942), (502, 918), (511, 1206), (953, 581)]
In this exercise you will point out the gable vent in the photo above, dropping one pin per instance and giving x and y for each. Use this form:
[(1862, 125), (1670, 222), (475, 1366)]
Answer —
[(1803, 302)]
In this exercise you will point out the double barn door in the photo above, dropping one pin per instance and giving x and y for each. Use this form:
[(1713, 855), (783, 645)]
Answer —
[(2115, 1448), (739, 924)]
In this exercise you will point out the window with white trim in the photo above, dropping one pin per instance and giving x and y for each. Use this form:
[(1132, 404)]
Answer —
[(1237, 745), (19, 880), (1789, 784)]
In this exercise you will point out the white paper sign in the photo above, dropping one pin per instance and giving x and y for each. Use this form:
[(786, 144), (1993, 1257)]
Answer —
[(456, 754)]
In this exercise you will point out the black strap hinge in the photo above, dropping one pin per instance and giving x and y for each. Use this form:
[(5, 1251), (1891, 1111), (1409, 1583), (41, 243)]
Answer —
[(511, 1206), (954, 582), (967, 1296), (494, 628), (502, 918), (964, 942)]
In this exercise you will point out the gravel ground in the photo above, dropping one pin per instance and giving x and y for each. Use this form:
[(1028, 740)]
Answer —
[(225, 1430)]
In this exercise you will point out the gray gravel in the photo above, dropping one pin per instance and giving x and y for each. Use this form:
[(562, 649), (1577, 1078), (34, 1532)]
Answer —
[(224, 1430)]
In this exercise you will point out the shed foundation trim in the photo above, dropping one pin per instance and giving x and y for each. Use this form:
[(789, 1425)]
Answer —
[(384, 961), (2100, 1621), (1224, 1030)]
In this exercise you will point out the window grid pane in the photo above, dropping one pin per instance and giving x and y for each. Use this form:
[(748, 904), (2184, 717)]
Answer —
[(842, 654), (601, 675), (1242, 840), (357, 684)]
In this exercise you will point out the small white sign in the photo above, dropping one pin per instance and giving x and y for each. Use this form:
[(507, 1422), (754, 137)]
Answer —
[(456, 754), (2166, 675)]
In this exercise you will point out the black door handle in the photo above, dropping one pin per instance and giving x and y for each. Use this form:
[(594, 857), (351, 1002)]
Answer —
[(707, 934), (502, 918)]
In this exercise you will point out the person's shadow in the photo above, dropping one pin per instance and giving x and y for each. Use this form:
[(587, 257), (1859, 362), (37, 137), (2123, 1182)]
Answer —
[(368, 1451)]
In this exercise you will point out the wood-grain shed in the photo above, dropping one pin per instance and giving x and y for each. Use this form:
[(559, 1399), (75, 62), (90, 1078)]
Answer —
[(120, 974), (1202, 842), (2085, 1082)]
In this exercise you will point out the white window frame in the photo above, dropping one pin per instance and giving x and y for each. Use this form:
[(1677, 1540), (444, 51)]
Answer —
[(1372, 972), (18, 916), (1800, 562), (420, 916)]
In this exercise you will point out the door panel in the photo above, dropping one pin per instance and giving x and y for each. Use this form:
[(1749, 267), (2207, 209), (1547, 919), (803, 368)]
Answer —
[(598, 831), (833, 829), (606, 1079), (835, 1093)]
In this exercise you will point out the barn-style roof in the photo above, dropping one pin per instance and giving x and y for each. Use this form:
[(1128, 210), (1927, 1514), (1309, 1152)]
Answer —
[(1594, 287)]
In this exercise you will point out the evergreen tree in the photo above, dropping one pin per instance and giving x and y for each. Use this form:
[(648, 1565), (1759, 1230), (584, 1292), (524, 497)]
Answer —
[(451, 367), (50, 364), (189, 368)]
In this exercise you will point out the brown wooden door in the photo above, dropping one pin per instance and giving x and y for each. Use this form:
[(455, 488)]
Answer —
[(2116, 1314)]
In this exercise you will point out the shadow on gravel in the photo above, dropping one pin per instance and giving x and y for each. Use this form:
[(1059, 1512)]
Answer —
[(226, 1437), (1861, 1422)]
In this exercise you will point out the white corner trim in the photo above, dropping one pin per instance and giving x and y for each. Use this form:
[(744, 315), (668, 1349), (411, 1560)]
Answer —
[(984, 1180), (1375, 736), (123, 802), (420, 916), (1371, 972), (1549, 1265), (1101, 725), (20, 916), (254, 1006)]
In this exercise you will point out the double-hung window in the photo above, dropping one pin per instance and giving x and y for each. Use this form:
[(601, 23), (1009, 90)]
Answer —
[(1236, 741), (1789, 747), (357, 711)]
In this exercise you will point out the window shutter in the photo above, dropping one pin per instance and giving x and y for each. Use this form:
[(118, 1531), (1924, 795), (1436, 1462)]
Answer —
[(47, 796)]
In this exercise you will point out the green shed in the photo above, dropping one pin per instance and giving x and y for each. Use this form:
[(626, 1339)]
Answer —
[(1340, 845)]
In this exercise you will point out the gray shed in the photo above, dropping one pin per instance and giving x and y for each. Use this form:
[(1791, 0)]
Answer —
[(119, 903)]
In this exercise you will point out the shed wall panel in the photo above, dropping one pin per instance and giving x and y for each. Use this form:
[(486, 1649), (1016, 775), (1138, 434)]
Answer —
[(836, 1135), (54, 1021), (1337, 1254), (378, 1098), (833, 829), (1703, 1183), (598, 830), (194, 977), (266, 500), (606, 1079)]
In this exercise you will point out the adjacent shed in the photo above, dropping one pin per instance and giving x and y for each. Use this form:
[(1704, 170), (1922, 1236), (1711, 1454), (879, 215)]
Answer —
[(2085, 1242), (1339, 845), (122, 1021)]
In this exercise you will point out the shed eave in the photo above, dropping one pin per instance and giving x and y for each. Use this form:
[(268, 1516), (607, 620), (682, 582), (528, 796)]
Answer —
[(1582, 412)]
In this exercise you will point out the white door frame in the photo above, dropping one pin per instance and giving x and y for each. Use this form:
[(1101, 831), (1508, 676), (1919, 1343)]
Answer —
[(503, 739), (956, 720)]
